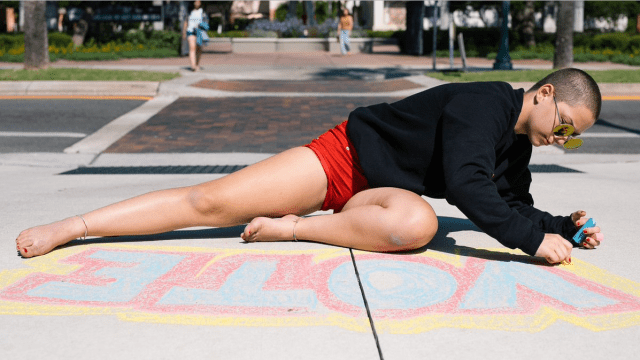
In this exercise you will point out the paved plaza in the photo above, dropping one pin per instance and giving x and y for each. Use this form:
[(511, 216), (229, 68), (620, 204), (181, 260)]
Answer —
[(203, 293)]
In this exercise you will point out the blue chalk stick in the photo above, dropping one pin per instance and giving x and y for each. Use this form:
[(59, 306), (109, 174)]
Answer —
[(579, 237)]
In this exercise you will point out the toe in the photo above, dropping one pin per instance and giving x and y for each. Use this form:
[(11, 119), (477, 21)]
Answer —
[(246, 234), (23, 243), (26, 252)]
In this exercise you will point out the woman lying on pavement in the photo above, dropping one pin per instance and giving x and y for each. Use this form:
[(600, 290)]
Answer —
[(468, 143)]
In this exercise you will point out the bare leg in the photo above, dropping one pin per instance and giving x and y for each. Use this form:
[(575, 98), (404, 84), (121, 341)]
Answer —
[(192, 51), (292, 182), (382, 219), (198, 55)]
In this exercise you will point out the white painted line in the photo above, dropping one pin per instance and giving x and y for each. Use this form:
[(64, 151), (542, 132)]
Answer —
[(41, 134), (113, 131), (609, 135)]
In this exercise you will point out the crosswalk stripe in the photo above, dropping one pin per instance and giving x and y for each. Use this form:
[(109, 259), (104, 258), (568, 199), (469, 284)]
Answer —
[(609, 135)]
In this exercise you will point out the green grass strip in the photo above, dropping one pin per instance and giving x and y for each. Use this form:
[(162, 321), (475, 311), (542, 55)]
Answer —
[(85, 75), (600, 76)]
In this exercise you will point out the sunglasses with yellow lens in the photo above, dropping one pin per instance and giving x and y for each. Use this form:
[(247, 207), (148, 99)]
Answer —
[(566, 130)]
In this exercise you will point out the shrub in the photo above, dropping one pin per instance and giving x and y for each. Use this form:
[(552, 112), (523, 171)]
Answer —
[(613, 41), (380, 34), (8, 41), (282, 11), (164, 39), (236, 33), (135, 37), (629, 59), (59, 39), (13, 58), (263, 34), (634, 43), (294, 28)]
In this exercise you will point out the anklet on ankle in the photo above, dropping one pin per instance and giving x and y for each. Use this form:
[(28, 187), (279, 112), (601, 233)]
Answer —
[(86, 228), (294, 229)]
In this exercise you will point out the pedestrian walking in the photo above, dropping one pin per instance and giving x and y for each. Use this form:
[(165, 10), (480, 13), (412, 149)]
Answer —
[(195, 32), (469, 143), (345, 25)]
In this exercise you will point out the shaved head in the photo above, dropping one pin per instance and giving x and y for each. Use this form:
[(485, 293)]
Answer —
[(575, 88)]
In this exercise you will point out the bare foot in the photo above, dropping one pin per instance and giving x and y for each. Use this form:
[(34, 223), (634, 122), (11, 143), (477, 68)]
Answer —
[(267, 229), (40, 240)]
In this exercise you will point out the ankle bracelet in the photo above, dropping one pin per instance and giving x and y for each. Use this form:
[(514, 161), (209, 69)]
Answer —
[(86, 228), (294, 229)]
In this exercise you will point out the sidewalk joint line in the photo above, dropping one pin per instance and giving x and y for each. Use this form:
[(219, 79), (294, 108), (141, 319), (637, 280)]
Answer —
[(366, 305)]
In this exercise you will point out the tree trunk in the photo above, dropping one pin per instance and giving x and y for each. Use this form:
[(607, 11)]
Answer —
[(413, 35), (36, 44), (529, 24), (563, 55)]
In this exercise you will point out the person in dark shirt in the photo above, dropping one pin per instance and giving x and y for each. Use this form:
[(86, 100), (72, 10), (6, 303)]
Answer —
[(468, 143)]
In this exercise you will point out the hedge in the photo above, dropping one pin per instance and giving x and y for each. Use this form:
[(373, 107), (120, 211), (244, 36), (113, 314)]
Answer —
[(150, 39), (483, 41)]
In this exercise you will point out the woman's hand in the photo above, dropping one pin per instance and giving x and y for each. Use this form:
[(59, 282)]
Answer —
[(594, 236), (555, 249)]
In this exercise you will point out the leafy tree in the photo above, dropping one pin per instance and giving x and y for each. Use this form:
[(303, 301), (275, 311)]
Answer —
[(613, 9), (524, 23), (9, 4)]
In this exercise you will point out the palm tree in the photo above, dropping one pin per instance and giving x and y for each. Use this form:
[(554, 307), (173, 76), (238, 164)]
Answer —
[(563, 55), (36, 44)]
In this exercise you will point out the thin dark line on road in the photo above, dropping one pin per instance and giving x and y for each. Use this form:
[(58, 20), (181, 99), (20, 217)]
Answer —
[(366, 305), (606, 123)]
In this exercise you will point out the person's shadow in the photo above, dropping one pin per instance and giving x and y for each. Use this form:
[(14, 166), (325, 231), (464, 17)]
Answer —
[(212, 233), (442, 242)]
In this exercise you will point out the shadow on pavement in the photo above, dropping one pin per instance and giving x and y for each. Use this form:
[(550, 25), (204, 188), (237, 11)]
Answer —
[(443, 243), (364, 73), (213, 233)]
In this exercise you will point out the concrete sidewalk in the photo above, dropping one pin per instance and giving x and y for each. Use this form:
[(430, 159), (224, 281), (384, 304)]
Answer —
[(201, 293)]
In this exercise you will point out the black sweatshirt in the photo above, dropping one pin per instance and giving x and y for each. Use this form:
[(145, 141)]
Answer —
[(457, 141)]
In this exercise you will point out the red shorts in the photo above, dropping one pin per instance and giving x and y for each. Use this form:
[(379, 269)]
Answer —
[(341, 165)]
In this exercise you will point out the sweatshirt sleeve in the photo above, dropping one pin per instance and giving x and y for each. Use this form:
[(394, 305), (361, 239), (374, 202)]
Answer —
[(472, 125), (519, 198)]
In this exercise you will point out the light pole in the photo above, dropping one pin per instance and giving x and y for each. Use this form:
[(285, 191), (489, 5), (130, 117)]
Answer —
[(503, 60)]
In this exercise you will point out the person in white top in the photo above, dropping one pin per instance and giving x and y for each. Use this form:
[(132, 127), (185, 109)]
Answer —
[(190, 31)]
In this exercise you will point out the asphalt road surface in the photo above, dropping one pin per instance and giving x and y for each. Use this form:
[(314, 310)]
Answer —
[(51, 125)]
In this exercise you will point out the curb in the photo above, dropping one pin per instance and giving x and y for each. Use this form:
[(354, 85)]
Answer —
[(79, 88), (153, 88)]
